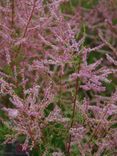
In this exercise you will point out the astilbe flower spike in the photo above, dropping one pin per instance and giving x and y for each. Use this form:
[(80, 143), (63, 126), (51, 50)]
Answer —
[(27, 114), (58, 76)]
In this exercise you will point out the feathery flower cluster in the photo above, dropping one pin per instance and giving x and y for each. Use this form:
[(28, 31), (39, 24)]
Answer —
[(58, 75)]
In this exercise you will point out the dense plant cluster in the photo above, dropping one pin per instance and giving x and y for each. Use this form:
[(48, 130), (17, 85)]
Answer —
[(58, 72)]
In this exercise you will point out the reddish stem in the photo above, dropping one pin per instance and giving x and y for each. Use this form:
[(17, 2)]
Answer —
[(73, 114), (13, 12), (29, 19)]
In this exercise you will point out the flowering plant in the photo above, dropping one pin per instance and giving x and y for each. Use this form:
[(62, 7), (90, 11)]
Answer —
[(58, 76)]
